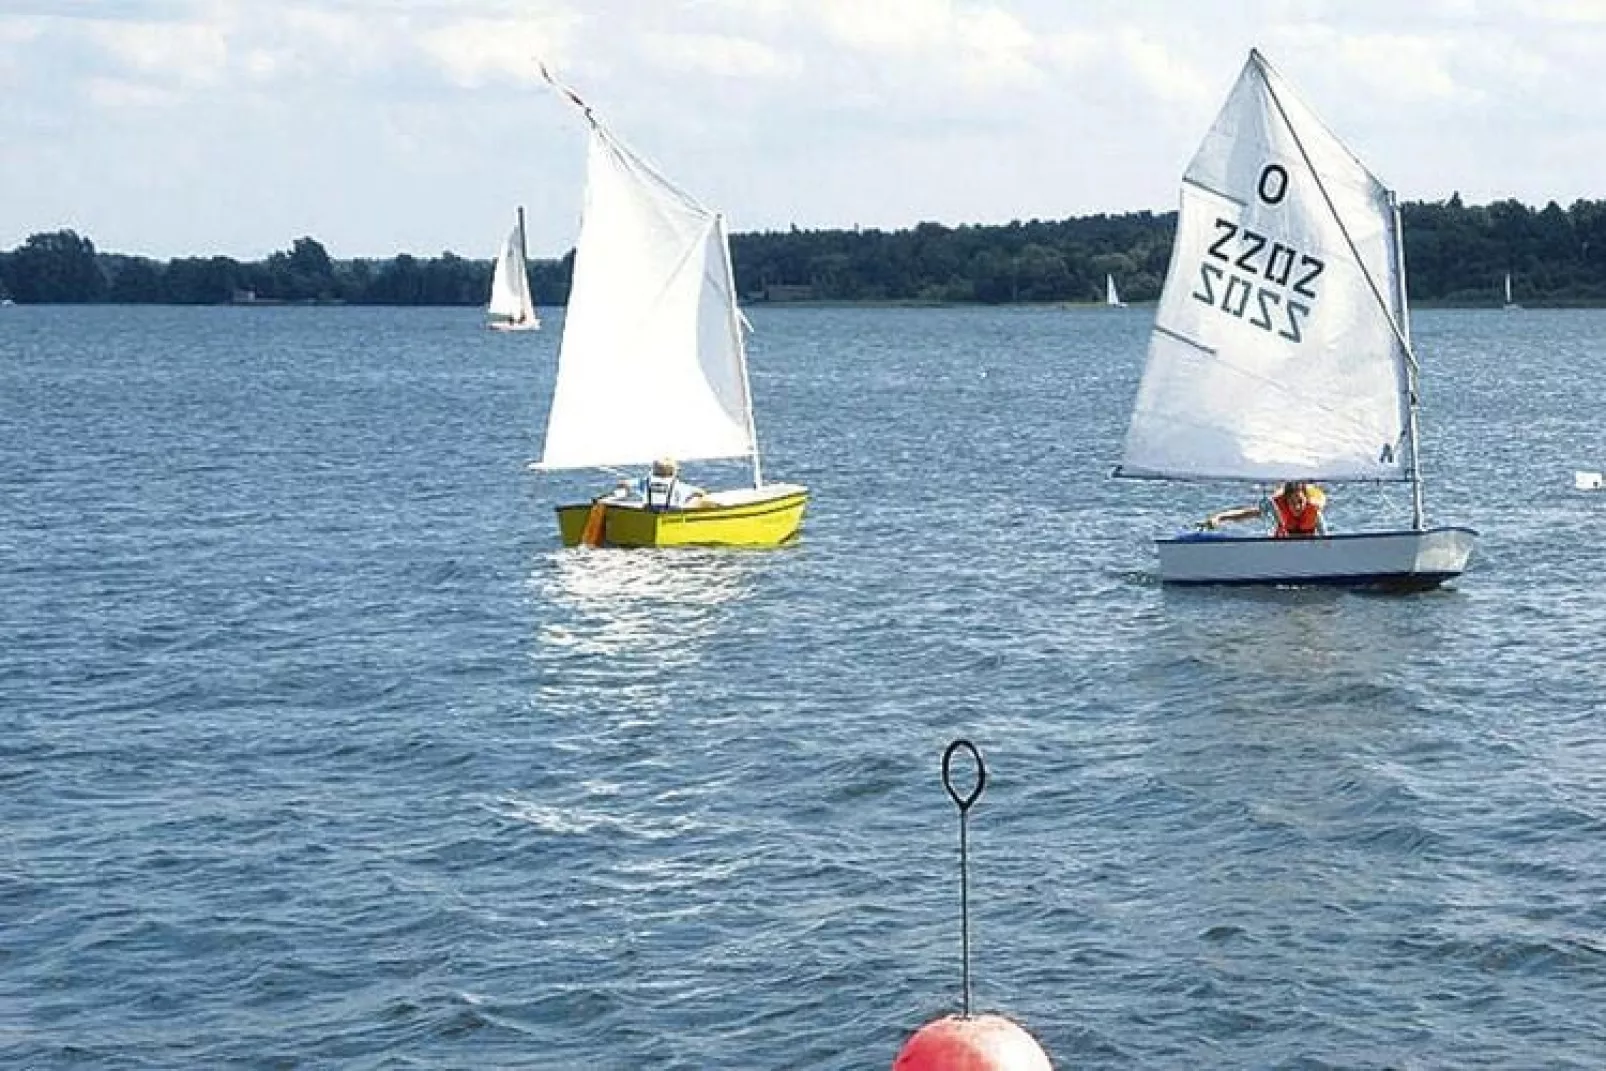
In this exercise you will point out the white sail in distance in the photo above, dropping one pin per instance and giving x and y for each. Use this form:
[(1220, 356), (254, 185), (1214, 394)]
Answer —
[(1279, 345), (652, 361), (1111, 297), (510, 282)]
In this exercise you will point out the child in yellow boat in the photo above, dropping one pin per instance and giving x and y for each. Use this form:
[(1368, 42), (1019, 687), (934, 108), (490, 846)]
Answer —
[(662, 488)]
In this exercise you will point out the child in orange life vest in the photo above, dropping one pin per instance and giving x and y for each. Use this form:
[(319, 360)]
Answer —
[(1294, 511)]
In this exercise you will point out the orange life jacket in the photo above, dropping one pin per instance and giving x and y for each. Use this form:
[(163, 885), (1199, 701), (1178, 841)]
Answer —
[(1297, 524)]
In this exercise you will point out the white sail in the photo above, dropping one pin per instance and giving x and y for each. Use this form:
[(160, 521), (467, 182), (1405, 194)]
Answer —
[(1508, 288), (510, 282), (652, 361), (1279, 346), (1111, 298)]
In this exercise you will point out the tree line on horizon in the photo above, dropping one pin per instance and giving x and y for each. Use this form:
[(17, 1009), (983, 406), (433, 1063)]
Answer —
[(1455, 254)]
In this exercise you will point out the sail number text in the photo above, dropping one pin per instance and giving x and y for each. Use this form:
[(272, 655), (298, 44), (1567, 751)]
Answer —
[(1259, 281)]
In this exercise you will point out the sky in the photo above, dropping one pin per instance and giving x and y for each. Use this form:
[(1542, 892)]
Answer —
[(197, 127)]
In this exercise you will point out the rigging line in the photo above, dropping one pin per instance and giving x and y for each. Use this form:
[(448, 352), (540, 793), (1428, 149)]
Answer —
[(637, 162), (631, 158), (1321, 187)]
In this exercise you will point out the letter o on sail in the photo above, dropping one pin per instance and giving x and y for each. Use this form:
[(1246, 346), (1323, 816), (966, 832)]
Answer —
[(1273, 183)]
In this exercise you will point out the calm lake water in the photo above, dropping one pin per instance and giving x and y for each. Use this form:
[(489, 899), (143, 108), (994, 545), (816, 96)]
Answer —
[(316, 750)]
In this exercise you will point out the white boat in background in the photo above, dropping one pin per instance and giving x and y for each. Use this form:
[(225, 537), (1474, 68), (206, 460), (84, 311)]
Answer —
[(1509, 303), (511, 308), (1111, 297), (1281, 349), (1589, 481), (653, 362)]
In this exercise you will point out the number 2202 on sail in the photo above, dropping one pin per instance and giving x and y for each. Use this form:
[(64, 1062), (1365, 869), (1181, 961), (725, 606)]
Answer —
[(1258, 281)]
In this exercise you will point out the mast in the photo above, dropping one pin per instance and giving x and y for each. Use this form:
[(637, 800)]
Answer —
[(524, 271), (735, 317), (1418, 506)]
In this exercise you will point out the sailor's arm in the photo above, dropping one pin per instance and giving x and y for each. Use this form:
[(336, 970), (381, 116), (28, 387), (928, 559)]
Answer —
[(1240, 513)]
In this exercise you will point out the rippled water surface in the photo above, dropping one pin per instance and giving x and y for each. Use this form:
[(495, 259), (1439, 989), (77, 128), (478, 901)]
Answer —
[(317, 751)]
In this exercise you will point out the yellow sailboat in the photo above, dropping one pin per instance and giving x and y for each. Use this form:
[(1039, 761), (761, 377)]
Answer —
[(653, 362)]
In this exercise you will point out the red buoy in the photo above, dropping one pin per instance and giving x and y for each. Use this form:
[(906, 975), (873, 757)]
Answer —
[(982, 1043)]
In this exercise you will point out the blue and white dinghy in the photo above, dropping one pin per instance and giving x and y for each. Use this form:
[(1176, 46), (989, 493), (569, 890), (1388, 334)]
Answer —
[(1281, 349)]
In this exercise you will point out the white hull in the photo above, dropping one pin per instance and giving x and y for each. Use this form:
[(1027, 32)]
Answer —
[(1405, 560), (509, 325)]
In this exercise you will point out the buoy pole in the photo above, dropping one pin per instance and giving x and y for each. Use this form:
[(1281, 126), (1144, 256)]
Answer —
[(964, 801), (965, 1042)]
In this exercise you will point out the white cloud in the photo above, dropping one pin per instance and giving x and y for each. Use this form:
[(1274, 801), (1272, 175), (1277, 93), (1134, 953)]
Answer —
[(19, 31), (893, 26), (1405, 67), (1162, 72), (118, 93), (194, 53), (1569, 11), (475, 52), (825, 112), (261, 64), (996, 48), (985, 45), (720, 55), (1460, 10)]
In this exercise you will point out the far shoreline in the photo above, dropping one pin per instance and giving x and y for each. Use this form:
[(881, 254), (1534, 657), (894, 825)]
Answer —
[(823, 303)]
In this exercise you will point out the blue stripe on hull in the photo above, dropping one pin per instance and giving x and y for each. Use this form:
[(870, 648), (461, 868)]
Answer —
[(1382, 581)]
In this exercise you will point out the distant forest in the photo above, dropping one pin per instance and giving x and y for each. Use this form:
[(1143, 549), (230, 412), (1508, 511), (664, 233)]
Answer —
[(1455, 254)]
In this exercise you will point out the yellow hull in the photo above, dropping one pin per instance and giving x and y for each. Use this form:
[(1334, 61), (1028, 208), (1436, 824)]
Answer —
[(766, 517)]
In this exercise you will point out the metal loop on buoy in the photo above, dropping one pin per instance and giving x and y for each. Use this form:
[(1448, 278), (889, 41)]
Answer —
[(963, 800)]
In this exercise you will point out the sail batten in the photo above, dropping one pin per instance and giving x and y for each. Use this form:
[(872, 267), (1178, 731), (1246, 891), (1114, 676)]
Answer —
[(1277, 351), (1200, 346), (1186, 181)]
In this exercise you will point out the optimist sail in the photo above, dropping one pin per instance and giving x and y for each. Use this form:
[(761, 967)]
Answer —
[(1280, 345)]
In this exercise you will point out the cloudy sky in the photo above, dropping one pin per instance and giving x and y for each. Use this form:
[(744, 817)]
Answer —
[(180, 127)]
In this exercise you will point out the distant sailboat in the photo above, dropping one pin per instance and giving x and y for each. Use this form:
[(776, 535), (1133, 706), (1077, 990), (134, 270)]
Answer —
[(653, 362), (511, 307), (1509, 303), (1281, 349), (1111, 298)]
